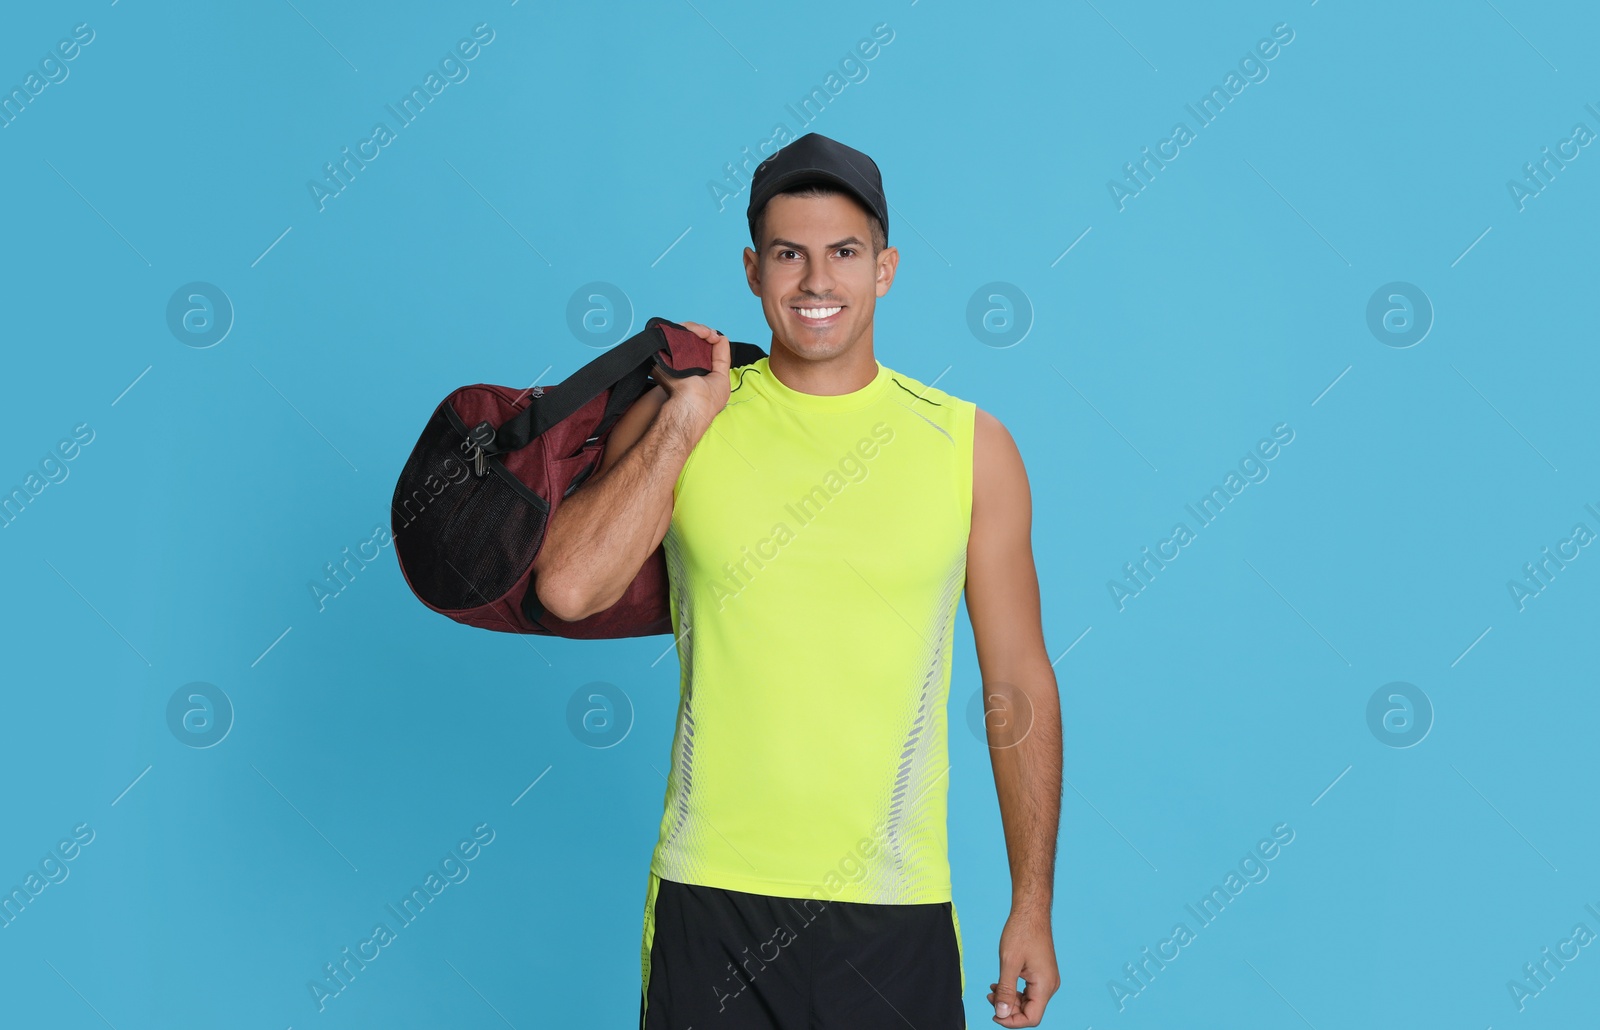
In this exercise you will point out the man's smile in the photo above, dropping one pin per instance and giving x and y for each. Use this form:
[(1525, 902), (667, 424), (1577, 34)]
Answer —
[(819, 316)]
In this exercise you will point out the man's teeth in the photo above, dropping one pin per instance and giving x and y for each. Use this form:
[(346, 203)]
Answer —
[(820, 312)]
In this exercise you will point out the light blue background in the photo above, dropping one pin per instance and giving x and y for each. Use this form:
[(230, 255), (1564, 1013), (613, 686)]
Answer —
[(368, 738)]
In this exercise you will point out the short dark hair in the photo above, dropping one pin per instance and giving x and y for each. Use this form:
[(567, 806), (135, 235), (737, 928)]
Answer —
[(880, 239)]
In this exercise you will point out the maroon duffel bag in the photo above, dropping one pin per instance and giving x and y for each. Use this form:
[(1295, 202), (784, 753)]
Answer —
[(473, 500)]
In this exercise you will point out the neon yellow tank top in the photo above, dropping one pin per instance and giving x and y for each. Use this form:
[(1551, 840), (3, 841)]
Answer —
[(816, 554)]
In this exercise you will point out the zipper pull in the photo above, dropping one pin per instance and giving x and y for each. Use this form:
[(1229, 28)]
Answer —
[(481, 436)]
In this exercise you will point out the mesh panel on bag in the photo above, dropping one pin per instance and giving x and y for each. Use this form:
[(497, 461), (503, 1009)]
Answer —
[(470, 542)]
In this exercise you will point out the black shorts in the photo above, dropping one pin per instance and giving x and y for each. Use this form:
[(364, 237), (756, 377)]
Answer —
[(715, 958)]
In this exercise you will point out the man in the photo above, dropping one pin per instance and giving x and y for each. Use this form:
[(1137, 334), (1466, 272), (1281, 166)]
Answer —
[(820, 514)]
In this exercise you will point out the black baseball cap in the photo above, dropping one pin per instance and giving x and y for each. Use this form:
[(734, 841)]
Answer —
[(814, 158)]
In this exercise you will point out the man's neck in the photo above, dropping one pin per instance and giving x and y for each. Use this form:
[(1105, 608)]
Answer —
[(846, 372)]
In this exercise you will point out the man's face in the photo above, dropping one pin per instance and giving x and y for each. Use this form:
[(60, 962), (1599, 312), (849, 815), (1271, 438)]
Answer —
[(816, 275)]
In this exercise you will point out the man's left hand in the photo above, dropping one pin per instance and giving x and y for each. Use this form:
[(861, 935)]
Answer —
[(1026, 950)]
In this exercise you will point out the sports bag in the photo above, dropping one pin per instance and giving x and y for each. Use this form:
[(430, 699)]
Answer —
[(494, 463)]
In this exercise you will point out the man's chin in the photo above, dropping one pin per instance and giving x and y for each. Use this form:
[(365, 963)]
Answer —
[(817, 344)]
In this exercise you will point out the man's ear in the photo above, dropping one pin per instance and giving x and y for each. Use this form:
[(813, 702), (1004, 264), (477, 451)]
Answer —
[(888, 263), (752, 270)]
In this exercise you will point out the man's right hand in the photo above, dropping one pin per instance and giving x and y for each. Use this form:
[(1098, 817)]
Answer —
[(701, 396)]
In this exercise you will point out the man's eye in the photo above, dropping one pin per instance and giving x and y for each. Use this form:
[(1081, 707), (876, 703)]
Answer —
[(847, 250)]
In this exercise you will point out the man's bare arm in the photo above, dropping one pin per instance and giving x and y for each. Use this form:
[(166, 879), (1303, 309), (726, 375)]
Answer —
[(1023, 714), (600, 536)]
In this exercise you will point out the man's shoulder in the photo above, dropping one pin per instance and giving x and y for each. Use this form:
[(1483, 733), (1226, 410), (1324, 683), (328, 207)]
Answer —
[(737, 373), (928, 399)]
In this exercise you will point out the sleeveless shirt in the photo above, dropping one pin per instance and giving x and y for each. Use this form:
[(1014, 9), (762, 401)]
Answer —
[(815, 556)]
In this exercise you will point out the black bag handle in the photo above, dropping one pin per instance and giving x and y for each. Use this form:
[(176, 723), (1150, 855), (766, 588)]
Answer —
[(609, 369), (624, 369)]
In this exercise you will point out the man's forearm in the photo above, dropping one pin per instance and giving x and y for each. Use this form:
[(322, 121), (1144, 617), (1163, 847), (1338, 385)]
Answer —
[(600, 537), (1026, 755)]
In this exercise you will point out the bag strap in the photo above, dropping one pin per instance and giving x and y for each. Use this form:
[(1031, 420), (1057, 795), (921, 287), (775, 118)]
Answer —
[(745, 354), (633, 387), (624, 369)]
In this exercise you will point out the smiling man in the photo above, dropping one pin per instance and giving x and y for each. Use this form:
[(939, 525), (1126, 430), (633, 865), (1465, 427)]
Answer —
[(821, 515)]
